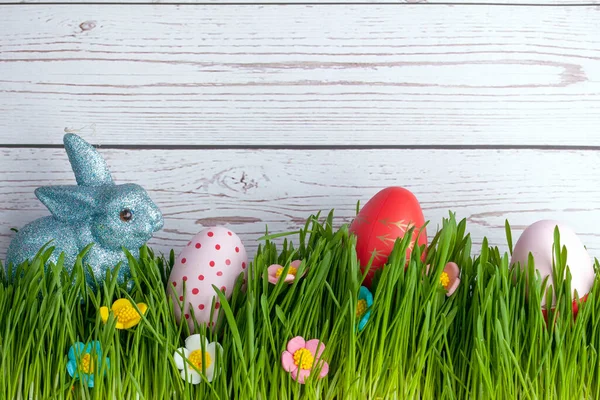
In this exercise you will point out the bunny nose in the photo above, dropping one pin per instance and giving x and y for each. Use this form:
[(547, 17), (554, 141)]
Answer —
[(157, 220)]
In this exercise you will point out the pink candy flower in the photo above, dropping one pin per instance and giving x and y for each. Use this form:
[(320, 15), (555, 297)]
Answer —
[(449, 278), (275, 271), (301, 357)]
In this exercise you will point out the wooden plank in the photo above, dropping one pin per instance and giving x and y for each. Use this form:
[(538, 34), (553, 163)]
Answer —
[(280, 188), (298, 75)]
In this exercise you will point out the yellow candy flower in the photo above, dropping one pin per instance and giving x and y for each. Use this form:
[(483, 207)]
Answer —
[(125, 313)]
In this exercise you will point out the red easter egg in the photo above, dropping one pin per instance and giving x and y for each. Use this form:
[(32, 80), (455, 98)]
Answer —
[(383, 219), (575, 308)]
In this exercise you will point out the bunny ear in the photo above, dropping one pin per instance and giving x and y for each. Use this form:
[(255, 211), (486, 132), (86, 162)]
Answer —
[(88, 165), (68, 203)]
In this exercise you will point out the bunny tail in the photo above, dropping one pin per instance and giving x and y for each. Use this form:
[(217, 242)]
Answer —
[(88, 165)]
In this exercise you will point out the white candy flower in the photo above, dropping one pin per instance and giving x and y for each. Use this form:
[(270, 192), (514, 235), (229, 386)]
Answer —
[(202, 360)]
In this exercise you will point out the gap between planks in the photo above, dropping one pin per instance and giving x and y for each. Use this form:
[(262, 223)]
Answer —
[(314, 147), (346, 3)]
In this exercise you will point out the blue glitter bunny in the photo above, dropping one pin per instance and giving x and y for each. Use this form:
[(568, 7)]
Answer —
[(94, 211)]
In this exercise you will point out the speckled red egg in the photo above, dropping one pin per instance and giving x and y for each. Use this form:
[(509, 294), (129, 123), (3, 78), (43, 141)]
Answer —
[(383, 219), (215, 256)]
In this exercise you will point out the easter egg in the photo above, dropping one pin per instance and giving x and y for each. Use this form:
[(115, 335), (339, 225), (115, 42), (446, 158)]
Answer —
[(538, 239), (215, 256), (383, 219)]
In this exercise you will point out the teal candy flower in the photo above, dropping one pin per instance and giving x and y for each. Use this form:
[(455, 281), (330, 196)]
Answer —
[(363, 308), (85, 361)]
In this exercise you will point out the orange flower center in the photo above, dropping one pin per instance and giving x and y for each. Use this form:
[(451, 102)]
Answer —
[(86, 364), (303, 358), (126, 314), (361, 308), (196, 359), (445, 280), (292, 271)]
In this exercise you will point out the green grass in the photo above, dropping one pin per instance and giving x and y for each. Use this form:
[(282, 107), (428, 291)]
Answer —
[(488, 340)]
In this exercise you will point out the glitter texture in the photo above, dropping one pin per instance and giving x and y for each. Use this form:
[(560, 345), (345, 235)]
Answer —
[(89, 212)]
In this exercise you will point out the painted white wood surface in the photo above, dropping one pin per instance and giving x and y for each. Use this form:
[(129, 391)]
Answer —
[(178, 77), (378, 75), (280, 188)]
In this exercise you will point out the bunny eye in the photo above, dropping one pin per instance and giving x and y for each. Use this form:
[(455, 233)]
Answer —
[(126, 215)]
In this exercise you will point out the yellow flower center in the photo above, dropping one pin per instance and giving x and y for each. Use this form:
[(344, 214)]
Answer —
[(86, 364), (361, 308), (292, 271), (303, 359), (445, 280), (196, 359), (126, 314)]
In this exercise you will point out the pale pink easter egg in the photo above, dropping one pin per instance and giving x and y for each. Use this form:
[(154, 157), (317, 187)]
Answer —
[(215, 256), (538, 240)]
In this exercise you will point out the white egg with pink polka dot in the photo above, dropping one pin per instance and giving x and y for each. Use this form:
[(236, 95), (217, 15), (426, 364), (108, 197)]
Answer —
[(215, 256)]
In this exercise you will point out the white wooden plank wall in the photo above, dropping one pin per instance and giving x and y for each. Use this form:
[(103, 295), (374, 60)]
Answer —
[(296, 75), (254, 114)]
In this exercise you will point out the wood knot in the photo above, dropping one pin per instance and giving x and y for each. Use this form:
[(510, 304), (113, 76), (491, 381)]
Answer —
[(247, 184), (87, 26)]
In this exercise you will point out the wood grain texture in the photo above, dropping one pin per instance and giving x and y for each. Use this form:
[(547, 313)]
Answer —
[(300, 75), (250, 189)]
